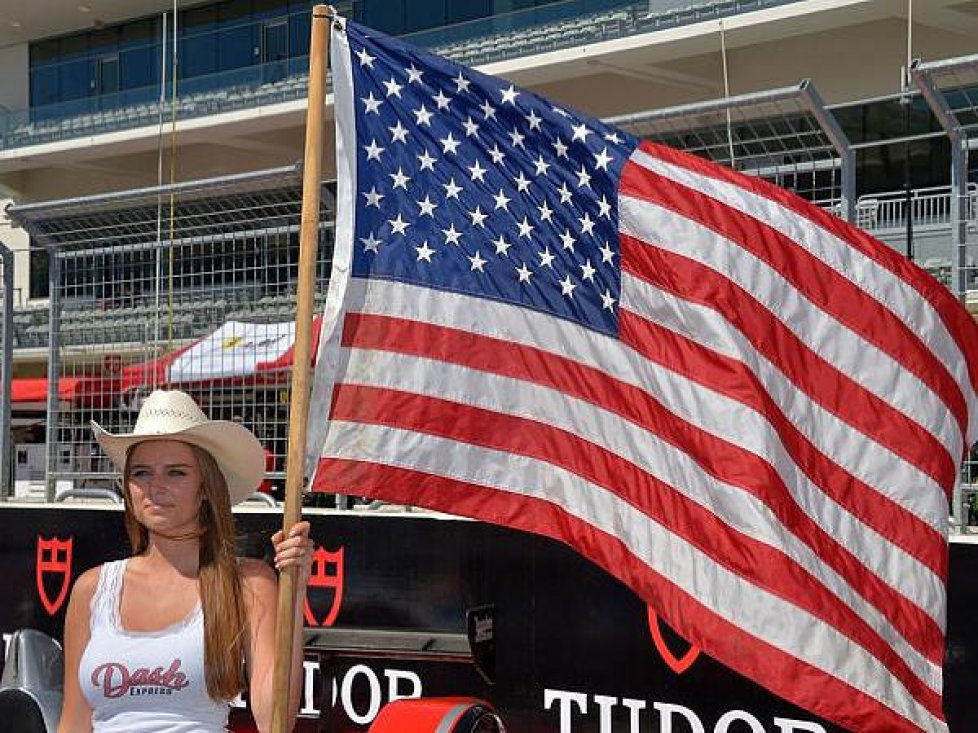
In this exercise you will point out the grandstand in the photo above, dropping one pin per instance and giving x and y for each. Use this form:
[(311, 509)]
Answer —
[(550, 27), (143, 216)]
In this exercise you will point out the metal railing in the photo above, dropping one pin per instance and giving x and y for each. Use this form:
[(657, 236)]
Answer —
[(928, 207)]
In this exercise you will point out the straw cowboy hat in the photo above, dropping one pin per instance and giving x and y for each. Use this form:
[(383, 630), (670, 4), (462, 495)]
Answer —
[(174, 415)]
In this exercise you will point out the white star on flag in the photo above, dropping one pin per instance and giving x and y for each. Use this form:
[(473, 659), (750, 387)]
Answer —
[(371, 104), (477, 262), (370, 243), (424, 252), (373, 150)]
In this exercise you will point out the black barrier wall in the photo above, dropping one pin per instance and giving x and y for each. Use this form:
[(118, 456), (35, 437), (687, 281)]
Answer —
[(576, 650)]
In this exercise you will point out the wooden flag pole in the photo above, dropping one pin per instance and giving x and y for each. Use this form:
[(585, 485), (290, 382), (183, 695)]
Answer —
[(299, 405)]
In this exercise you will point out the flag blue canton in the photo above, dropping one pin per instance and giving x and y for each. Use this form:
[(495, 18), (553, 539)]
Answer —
[(471, 185)]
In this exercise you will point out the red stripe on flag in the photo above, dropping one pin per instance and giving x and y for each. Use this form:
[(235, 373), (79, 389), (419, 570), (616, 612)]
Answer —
[(782, 673), (831, 292), (958, 322), (816, 377), (759, 563), (732, 378), (724, 460)]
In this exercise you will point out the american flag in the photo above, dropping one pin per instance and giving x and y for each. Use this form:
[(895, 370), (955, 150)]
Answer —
[(747, 410)]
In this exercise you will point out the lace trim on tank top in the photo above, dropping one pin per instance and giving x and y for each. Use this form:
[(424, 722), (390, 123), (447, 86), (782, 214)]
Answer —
[(109, 600)]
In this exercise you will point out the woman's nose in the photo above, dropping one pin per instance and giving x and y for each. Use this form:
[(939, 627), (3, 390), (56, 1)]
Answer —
[(153, 486)]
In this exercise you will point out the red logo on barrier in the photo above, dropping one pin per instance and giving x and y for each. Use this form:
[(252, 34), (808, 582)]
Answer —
[(53, 558), (677, 664), (319, 579)]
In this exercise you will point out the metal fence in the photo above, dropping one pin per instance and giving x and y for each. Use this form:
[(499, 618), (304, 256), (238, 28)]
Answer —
[(190, 286), (6, 367), (786, 136)]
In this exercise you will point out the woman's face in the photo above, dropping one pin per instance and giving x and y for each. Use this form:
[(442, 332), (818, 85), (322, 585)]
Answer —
[(165, 486)]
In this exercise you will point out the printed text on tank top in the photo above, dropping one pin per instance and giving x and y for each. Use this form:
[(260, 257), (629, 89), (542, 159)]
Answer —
[(115, 679)]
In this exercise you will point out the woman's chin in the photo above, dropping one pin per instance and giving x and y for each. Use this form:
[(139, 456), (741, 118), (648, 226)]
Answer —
[(165, 526)]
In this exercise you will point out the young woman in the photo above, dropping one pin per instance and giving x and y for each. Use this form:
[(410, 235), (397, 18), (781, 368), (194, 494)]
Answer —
[(163, 640)]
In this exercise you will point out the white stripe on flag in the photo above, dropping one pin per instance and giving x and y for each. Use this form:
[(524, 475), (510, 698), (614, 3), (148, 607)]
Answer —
[(734, 506), (876, 465), (861, 361), (748, 607), (490, 318), (873, 279)]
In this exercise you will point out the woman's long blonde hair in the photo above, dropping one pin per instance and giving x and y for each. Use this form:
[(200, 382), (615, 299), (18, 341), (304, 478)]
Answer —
[(225, 619)]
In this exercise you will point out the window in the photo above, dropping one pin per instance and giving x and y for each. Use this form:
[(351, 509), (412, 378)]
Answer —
[(108, 74), (45, 87), (139, 68), (300, 28), (39, 285), (275, 50), (422, 15), (275, 40), (385, 16), (236, 48), (76, 79), (237, 41), (198, 46), (461, 12)]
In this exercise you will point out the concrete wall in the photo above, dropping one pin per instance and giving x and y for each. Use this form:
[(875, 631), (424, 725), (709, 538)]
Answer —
[(17, 240), (14, 83)]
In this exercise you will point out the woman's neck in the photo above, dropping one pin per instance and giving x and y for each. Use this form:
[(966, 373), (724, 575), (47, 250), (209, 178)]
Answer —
[(179, 552)]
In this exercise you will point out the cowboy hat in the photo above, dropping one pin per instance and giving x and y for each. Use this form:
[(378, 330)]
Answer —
[(173, 415)]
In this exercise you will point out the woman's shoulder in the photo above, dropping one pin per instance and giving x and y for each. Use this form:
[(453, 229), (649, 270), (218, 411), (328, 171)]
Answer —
[(84, 588), (255, 571), (88, 581)]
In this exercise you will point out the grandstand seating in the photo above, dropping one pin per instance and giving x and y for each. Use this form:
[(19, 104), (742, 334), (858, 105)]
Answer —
[(84, 324), (244, 88)]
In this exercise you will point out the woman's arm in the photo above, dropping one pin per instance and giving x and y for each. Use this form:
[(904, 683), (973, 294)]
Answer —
[(261, 594), (76, 715)]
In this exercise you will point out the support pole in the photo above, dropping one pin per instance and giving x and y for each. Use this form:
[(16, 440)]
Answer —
[(54, 368), (923, 77), (840, 142), (299, 406), (6, 370)]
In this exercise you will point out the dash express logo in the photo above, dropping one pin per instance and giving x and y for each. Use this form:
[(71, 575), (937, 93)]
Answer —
[(327, 575), (52, 571), (678, 663), (115, 679)]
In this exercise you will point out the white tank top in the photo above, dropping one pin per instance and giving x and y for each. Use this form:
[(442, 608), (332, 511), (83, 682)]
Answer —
[(145, 681)]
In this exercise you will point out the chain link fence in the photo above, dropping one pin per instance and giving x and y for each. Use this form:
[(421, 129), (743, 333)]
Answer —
[(190, 286)]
